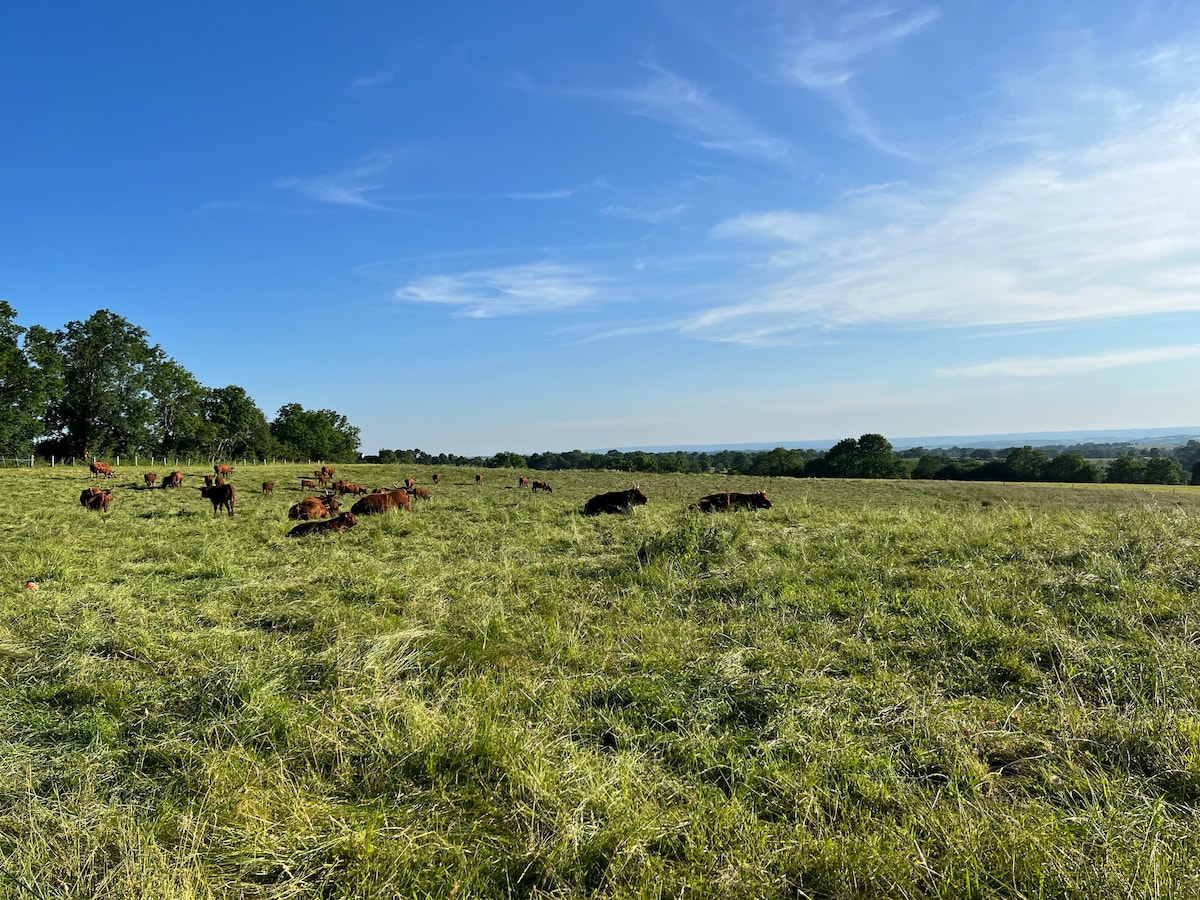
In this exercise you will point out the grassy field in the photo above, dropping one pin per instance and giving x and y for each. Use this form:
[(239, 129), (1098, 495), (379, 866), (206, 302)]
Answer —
[(875, 689)]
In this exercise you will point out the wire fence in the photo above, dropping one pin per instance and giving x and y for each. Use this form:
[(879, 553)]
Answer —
[(149, 462)]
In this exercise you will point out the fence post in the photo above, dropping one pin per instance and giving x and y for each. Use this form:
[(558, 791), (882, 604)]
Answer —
[(118, 460), (31, 460)]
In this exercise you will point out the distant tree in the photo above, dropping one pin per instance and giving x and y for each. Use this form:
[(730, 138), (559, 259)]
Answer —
[(778, 462), (983, 454), (25, 388), (1188, 455), (927, 466), (870, 456), (1070, 468), (236, 426), (1025, 463), (1163, 470), (177, 400), (1125, 470), (315, 434), (1195, 473)]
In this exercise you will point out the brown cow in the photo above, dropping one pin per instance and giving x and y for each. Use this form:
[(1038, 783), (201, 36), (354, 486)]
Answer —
[(150, 478), (342, 523), (102, 469), (221, 495), (307, 483), (315, 508), (420, 493), (208, 480), (174, 480), (410, 483), (355, 489), (222, 469), (732, 499), (437, 479), (522, 481), (323, 480), (478, 480), (268, 487), (541, 486), (614, 502), (381, 503), (327, 470), (96, 498)]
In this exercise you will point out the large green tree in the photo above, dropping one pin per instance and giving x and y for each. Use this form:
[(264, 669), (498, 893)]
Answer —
[(237, 426), (315, 434), (176, 399), (25, 388)]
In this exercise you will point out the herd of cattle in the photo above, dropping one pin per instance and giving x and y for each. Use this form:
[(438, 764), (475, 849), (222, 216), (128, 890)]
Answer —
[(322, 512)]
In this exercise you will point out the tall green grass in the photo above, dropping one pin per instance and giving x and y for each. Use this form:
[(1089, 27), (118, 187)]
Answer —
[(875, 689)]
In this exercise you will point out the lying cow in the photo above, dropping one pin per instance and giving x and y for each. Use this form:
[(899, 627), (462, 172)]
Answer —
[(541, 486), (221, 495), (733, 499), (150, 478), (381, 503), (96, 498), (341, 523), (354, 489), (315, 508), (614, 502)]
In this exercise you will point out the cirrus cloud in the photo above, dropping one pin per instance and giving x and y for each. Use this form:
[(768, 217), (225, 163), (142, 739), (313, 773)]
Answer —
[(508, 291)]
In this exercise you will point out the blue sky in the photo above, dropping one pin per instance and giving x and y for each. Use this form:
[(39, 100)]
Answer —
[(542, 226)]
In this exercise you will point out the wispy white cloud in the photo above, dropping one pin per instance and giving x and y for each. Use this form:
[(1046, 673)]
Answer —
[(348, 187), (370, 81), (563, 194), (1104, 229), (688, 109), (1039, 367), (651, 215), (509, 291)]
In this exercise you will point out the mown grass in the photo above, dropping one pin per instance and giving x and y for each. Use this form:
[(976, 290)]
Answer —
[(898, 689)]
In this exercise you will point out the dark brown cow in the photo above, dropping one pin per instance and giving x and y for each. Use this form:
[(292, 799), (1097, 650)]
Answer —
[(733, 499), (219, 480), (208, 480), (149, 478), (102, 469), (96, 498), (478, 480), (174, 480), (541, 486), (420, 493), (222, 469), (268, 487), (341, 523), (523, 481), (381, 503), (221, 495), (614, 502), (315, 508), (437, 479)]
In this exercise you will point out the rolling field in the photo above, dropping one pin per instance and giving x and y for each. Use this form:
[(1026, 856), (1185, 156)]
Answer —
[(875, 689)]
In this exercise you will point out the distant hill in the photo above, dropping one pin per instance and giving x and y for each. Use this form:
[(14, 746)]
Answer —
[(1159, 437)]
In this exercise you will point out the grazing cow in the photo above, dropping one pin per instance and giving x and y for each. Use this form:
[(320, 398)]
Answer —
[(102, 469), (541, 486), (410, 483), (268, 487), (342, 523), (222, 469), (381, 503), (96, 498), (478, 480), (614, 502), (731, 499), (307, 483), (221, 495), (315, 508), (420, 493), (149, 478), (355, 489), (327, 470), (174, 480), (522, 481), (437, 479)]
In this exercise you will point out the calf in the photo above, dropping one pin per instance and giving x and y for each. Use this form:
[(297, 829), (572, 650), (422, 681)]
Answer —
[(315, 508), (381, 503), (420, 493), (96, 498), (541, 486), (732, 499), (149, 478), (221, 495), (208, 481), (102, 469), (307, 483), (341, 523), (174, 480), (614, 502), (268, 487)]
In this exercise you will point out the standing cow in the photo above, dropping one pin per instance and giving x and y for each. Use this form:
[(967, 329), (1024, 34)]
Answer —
[(268, 487), (221, 495), (149, 478), (103, 469), (222, 469), (541, 486), (173, 480), (478, 480), (96, 498), (381, 503)]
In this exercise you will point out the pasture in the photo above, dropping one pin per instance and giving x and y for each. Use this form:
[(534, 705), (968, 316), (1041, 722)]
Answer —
[(874, 689)]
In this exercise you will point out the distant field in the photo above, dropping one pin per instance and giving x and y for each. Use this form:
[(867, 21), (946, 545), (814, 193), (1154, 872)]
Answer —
[(875, 689)]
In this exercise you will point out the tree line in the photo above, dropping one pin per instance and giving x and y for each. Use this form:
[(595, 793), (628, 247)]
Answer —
[(868, 456), (97, 388)]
